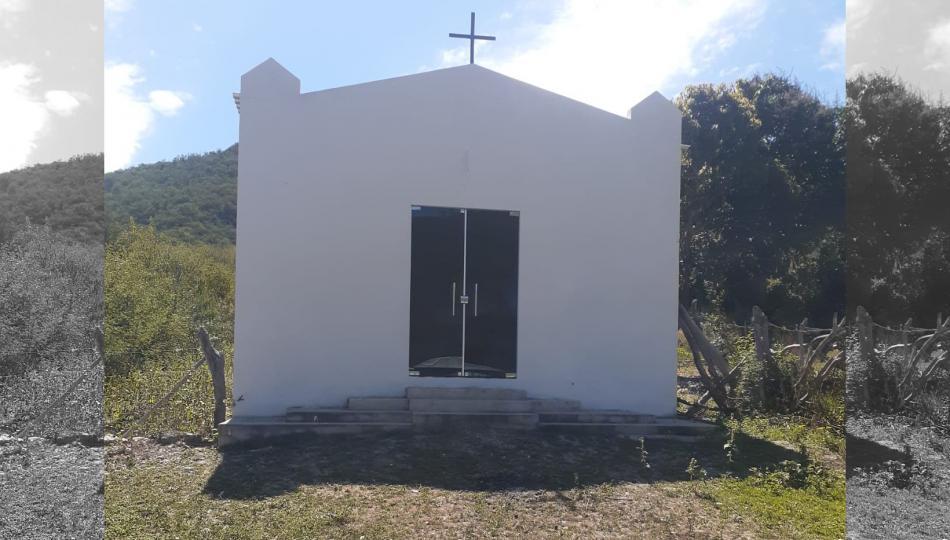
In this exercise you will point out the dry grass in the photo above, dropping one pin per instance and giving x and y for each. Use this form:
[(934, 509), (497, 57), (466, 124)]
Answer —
[(50, 491), (899, 479), (454, 484)]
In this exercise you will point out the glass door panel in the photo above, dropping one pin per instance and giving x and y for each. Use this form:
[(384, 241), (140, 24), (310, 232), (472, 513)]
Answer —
[(435, 314), (491, 335)]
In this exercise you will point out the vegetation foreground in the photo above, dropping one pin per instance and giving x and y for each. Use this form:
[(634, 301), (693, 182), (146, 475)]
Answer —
[(482, 484)]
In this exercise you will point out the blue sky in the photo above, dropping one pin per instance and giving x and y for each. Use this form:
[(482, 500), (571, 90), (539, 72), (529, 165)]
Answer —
[(171, 66)]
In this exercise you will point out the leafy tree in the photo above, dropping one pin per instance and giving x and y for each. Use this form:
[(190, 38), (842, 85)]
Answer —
[(762, 200), (898, 192)]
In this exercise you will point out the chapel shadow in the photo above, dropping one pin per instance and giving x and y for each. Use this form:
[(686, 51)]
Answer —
[(475, 460), (867, 455)]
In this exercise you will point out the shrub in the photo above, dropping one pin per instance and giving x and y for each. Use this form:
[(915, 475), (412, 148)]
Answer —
[(50, 300)]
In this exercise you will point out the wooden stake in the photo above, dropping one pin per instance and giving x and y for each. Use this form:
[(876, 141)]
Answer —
[(216, 367)]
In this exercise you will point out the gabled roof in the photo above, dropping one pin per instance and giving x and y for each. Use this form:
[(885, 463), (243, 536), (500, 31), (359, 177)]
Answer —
[(271, 71)]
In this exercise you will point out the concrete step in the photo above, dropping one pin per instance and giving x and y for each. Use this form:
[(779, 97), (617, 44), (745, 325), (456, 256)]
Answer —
[(596, 417), (378, 403), (424, 392), (304, 414), (258, 429), (494, 405), (554, 405), (437, 420)]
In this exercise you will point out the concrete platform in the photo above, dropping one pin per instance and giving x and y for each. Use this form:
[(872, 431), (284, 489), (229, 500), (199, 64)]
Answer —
[(428, 408), (256, 428), (378, 403), (442, 420), (304, 414)]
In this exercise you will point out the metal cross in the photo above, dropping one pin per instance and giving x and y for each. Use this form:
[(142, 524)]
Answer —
[(471, 37)]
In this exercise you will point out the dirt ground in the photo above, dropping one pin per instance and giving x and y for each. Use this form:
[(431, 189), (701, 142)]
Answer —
[(412, 485), (50, 490), (898, 479)]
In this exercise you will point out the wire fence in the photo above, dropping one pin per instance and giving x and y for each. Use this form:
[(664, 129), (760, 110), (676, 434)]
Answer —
[(66, 392), (61, 401), (175, 396)]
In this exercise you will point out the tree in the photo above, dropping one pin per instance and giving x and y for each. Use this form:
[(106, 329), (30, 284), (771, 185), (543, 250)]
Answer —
[(898, 192), (763, 192)]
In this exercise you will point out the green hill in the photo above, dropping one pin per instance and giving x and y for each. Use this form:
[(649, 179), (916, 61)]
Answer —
[(65, 195), (191, 198)]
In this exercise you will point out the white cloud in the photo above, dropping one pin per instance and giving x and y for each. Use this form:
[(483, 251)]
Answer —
[(129, 116), (12, 6), (612, 54), (856, 12), (62, 102), (167, 102), (832, 46), (118, 6), (24, 116), (9, 10), (937, 48), (740, 72), (197, 27), (115, 11)]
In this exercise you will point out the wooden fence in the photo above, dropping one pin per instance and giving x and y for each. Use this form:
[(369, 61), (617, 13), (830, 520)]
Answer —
[(884, 365)]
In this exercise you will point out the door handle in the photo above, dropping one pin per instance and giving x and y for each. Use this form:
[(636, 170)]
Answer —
[(453, 299), (476, 300)]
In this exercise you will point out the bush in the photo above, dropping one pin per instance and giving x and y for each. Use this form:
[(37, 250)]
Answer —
[(50, 300), (159, 292)]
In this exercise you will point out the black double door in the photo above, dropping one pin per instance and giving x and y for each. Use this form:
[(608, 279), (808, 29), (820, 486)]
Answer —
[(463, 300)]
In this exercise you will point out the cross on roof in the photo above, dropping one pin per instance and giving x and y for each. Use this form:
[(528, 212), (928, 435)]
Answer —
[(471, 37)]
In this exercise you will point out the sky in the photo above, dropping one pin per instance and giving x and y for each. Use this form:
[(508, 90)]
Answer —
[(171, 66), (51, 61), (907, 39)]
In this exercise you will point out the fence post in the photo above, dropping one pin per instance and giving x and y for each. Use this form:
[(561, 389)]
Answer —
[(865, 348), (216, 367), (760, 337), (800, 336)]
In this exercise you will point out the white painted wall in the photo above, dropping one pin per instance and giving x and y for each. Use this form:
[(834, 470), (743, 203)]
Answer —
[(326, 182)]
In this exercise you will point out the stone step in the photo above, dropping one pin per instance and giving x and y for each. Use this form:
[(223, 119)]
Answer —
[(596, 417), (481, 405), (378, 403), (436, 420), (304, 414), (261, 429), (425, 392)]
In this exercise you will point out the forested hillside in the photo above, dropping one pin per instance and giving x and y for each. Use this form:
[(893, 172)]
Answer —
[(191, 198), (65, 195)]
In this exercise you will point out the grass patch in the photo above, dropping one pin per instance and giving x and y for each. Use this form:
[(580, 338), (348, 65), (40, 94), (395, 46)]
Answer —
[(463, 484), (781, 511), (50, 490), (795, 431), (898, 478)]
